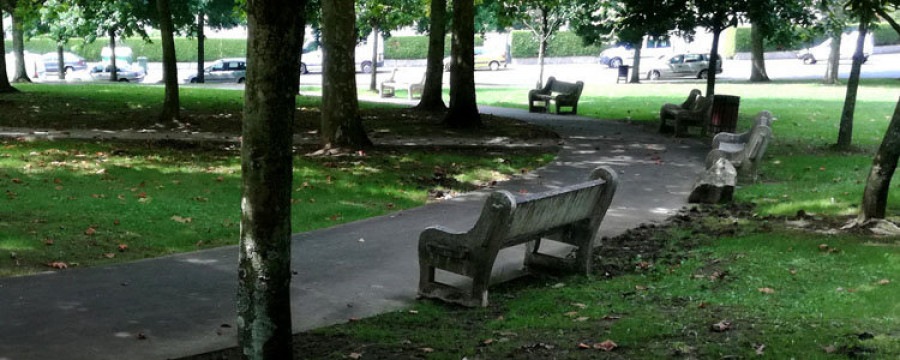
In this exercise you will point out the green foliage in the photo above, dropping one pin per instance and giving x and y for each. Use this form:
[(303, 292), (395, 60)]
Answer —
[(884, 35), (415, 47), (564, 43), (185, 48)]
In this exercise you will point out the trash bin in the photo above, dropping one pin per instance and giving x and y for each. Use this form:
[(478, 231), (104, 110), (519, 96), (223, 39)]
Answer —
[(724, 114), (142, 63), (623, 73)]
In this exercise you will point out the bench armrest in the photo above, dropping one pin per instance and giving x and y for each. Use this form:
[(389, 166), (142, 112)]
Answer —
[(725, 137)]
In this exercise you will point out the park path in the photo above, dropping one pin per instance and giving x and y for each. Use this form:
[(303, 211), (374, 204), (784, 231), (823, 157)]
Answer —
[(184, 304)]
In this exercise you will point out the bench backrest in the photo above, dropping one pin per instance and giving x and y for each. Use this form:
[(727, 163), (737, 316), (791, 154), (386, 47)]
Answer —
[(508, 219), (562, 87), (703, 105), (691, 100), (758, 141)]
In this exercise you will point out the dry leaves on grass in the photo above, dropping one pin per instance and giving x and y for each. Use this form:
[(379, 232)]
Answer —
[(58, 265), (182, 220), (766, 290), (721, 326), (607, 345)]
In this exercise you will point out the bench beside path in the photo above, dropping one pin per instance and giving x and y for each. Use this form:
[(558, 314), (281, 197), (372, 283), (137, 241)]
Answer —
[(184, 304)]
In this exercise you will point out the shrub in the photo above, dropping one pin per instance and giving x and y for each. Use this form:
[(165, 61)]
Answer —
[(185, 48), (415, 47), (564, 43), (884, 35)]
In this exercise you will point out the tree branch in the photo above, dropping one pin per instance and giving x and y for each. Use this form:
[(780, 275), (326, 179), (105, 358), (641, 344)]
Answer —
[(884, 15)]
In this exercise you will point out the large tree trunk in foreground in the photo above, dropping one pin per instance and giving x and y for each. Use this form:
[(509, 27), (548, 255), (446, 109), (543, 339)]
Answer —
[(875, 197), (463, 112), (18, 35), (201, 50), (636, 64), (845, 133), (171, 105), (713, 61), (834, 61), (758, 56), (275, 36), (60, 61), (114, 72), (433, 91), (341, 124), (5, 87), (373, 79)]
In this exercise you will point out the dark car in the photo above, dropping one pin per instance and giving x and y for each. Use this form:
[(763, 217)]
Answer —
[(71, 62)]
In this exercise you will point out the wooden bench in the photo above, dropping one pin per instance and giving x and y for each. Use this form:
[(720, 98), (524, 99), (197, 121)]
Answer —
[(698, 115), (560, 92), (744, 150), (668, 110), (570, 215), (387, 87)]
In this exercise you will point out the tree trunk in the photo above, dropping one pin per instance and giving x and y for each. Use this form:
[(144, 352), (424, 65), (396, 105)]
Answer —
[(171, 106), (433, 91), (341, 124), (875, 197), (275, 37), (636, 64), (758, 56), (834, 59), (713, 64), (201, 50), (114, 71), (60, 61), (542, 50), (845, 133), (5, 87), (18, 35), (373, 83), (463, 112)]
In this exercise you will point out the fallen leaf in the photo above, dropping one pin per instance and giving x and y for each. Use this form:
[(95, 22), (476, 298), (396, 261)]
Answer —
[(579, 305), (702, 305), (488, 341), (48, 241), (582, 319), (607, 345), (721, 326), (427, 350), (413, 312), (829, 349), (141, 195), (884, 282), (571, 313), (793, 272), (823, 247), (766, 290), (17, 180), (558, 285), (57, 181), (182, 220), (90, 231), (220, 179), (354, 355), (760, 349), (611, 317), (583, 346), (123, 247), (58, 265), (116, 222), (109, 255), (640, 287)]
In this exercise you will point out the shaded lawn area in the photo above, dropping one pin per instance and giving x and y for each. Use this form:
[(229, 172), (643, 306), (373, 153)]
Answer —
[(80, 203), (782, 293), (136, 107)]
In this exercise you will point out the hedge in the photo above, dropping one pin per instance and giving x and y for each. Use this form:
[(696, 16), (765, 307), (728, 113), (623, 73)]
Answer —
[(565, 43), (884, 35), (415, 47), (185, 49)]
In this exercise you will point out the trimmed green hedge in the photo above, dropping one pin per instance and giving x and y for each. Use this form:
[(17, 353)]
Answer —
[(884, 35), (565, 43), (185, 49), (415, 47)]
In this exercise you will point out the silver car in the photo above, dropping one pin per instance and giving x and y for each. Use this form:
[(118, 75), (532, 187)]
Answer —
[(125, 74), (683, 65), (223, 71)]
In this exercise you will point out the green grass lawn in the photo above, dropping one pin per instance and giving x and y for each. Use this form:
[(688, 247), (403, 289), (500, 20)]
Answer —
[(76, 202)]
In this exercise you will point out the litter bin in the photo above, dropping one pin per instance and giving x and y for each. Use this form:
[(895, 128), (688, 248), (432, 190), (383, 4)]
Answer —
[(623, 73), (142, 63), (724, 113)]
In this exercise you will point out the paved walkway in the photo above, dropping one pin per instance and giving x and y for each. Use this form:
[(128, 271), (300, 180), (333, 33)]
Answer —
[(184, 304)]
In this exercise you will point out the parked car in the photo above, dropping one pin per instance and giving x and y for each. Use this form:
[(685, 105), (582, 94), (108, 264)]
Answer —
[(71, 62), (484, 59), (222, 71), (124, 73), (653, 47), (682, 65), (848, 47), (312, 59)]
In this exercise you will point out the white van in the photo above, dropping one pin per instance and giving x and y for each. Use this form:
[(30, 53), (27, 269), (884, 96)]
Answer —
[(848, 47), (652, 48), (311, 60)]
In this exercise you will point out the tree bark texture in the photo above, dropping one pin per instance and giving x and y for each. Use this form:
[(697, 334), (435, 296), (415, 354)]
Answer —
[(636, 64), (341, 124), (201, 50), (171, 106), (758, 56), (433, 91), (834, 58), (845, 132), (875, 197), (60, 61), (114, 72), (373, 80), (542, 47), (463, 111), (5, 87), (713, 64), (18, 37), (275, 37)]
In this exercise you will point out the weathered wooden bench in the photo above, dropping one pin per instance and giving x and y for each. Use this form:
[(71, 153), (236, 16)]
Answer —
[(388, 86), (571, 215), (560, 92), (744, 150), (668, 110), (698, 115)]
